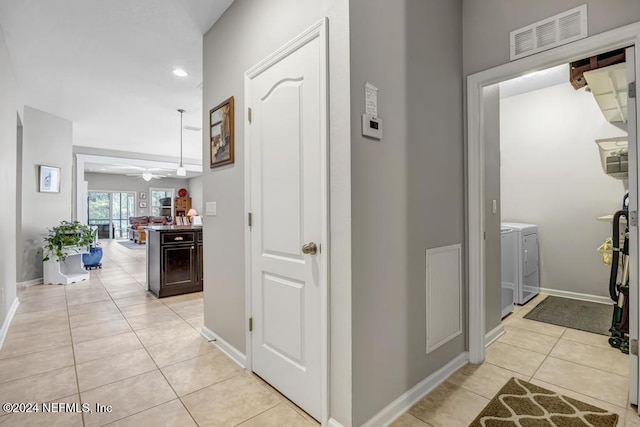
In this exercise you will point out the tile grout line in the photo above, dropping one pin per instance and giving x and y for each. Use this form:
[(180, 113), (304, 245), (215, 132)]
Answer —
[(570, 361), (73, 351), (548, 354), (157, 367), (133, 376)]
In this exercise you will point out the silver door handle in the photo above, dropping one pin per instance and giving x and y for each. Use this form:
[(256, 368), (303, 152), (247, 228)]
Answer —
[(310, 248)]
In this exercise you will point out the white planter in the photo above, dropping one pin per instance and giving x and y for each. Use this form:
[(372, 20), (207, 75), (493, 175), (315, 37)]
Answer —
[(69, 271)]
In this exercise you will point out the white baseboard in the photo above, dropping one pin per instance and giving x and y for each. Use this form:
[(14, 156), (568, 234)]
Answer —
[(7, 320), (402, 404), (333, 423), (26, 284), (575, 295), (235, 355), (493, 335)]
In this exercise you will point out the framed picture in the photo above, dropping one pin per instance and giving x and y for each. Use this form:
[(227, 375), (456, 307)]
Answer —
[(49, 179), (221, 134), (142, 204), (143, 195)]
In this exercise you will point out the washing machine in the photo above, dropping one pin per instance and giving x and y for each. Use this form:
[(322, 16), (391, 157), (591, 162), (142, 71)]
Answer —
[(509, 268), (525, 261)]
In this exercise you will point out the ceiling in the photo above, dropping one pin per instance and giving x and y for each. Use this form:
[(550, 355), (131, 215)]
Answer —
[(107, 67), (136, 168), (535, 81)]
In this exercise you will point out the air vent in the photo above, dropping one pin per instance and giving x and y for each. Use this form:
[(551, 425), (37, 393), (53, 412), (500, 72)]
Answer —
[(549, 33)]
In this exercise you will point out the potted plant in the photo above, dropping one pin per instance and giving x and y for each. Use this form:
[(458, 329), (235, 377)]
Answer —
[(66, 238), (62, 252)]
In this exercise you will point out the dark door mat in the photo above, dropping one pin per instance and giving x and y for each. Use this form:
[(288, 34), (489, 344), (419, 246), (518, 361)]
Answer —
[(575, 314)]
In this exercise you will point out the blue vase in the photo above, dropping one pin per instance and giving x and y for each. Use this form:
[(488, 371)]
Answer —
[(93, 258)]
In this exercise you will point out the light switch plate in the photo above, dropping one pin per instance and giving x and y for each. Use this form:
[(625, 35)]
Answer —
[(211, 209)]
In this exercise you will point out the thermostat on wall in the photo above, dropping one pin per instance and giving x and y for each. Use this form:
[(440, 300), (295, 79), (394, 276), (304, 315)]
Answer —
[(371, 126)]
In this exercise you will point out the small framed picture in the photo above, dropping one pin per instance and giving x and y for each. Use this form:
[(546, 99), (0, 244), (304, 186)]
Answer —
[(221, 134), (143, 195), (142, 204), (179, 220), (49, 179)]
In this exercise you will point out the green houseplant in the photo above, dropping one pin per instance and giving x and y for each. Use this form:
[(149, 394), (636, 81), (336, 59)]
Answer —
[(65, 236)]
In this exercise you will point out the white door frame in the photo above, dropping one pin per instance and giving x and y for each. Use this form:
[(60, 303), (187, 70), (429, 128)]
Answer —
[(615, 39), (320, 31)]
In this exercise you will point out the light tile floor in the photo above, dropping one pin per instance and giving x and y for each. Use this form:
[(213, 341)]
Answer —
[(575, 363), (107, 341)]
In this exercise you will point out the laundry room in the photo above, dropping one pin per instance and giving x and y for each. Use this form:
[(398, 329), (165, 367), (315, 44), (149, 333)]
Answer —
[(560, 135)]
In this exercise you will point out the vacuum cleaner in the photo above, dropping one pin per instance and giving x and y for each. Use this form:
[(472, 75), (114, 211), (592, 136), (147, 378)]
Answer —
[(619, 285)]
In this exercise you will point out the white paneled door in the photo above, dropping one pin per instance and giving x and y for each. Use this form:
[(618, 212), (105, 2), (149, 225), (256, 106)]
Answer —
[(287, 99)]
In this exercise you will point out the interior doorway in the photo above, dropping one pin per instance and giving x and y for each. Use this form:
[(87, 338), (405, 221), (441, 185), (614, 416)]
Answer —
[(287, 248), (18, 195), (477, 162)]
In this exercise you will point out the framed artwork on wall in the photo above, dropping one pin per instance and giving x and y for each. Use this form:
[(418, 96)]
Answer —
[(143, 195), (142, 204), (49, 179), (221, 134)]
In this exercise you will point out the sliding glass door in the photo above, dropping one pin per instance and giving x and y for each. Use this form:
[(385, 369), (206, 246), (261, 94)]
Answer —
[(110, 211)]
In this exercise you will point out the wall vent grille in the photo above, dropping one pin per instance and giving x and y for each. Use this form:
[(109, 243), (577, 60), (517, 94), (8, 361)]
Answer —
[(444, 295), (560, 29)]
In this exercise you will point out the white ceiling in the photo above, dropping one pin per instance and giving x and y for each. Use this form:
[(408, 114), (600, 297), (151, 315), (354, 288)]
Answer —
[(106, 66), (535, 81), (135, 167)]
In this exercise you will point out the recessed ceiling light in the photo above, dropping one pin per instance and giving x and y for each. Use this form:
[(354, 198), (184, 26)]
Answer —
[(180, 72), (103, 169)]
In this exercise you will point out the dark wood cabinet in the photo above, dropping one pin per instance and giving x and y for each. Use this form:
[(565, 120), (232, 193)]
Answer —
[(199, 252), (174, 260), (182, 206)]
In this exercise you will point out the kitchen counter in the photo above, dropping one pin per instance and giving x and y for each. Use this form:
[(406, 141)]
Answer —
[(172, 227), (174, 259)]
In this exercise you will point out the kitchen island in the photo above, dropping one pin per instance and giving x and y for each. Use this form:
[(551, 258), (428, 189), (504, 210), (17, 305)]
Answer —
[(174, 259)]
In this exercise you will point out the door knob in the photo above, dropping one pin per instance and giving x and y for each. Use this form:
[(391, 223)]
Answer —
[(310, 248)]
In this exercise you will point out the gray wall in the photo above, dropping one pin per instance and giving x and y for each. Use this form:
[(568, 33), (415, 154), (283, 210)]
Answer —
[(249, 31), (407, 189), (552, 177), (487, 24), (10, 108), (112, 182), (492, 247), (195, 192), (46, 141)]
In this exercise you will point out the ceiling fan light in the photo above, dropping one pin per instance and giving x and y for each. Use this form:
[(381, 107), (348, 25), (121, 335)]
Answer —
[(181, 171), (147, 176), (179, 72)]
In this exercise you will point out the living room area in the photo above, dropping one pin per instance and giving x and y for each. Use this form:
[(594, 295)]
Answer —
[(122, 199)]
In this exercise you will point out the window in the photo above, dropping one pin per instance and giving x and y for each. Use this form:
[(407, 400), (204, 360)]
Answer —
[(161, 201), (110, 212)]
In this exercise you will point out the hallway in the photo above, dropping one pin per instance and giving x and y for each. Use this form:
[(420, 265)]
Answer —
[(107, 341)]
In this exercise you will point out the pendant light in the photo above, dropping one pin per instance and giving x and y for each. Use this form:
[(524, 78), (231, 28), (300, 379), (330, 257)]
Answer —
[(181, 169)]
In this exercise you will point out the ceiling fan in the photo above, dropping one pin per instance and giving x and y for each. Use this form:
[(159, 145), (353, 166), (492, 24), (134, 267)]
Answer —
[(145, 173), (147, 176)]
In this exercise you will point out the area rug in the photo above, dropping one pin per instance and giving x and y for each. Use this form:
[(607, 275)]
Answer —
[(129, 244), (520, 403), (584, 315)]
